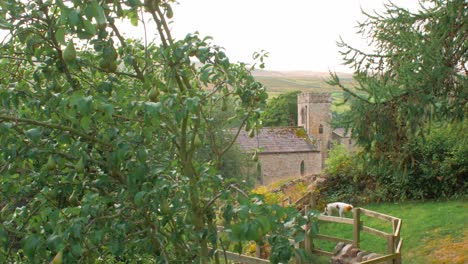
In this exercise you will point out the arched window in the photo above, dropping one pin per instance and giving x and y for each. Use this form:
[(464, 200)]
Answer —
[(302, 168), (320, 129)]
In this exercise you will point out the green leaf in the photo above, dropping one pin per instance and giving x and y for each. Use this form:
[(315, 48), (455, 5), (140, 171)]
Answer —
[(98, 13), (152, 108), (30, 244), (60, 36), (5, 24), (54, 242), (85, 123), (314, 229), (108, 109), (142, 154), (299, 237), (74, 18), (84, 104), (192, 103), (34, 134), (139, 198), (133, 16), (134, 21), (76, 249), (89, 27), (134, 3), (3, 237)]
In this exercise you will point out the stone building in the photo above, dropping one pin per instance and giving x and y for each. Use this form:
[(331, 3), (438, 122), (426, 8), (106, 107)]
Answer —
[(296, 151), (341, 136), (314, 114), (283, 152)]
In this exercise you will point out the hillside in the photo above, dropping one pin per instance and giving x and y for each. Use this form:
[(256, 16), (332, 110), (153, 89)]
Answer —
[(285, 81)]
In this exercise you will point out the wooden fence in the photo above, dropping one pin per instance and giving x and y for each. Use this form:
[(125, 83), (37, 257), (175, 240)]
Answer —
[(307, 202)]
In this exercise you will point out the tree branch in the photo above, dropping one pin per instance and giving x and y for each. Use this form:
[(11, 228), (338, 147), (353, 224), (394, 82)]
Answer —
[(55, 126), (139, 74)]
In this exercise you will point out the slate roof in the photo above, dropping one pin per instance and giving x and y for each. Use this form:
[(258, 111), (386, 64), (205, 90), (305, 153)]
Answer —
[(277, 140), (341, 132)]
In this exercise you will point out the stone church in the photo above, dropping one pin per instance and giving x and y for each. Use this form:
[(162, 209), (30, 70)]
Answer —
[(296, 151)]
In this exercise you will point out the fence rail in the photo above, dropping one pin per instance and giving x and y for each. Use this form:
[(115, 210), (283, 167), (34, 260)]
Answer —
[(394, 242)]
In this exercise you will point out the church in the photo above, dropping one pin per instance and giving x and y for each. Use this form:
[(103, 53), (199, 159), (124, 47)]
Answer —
[(300, 151)]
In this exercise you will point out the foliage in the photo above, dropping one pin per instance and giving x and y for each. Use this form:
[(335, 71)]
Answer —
[(438, 171), (275, 192), (253, 219), (234, 163), (281, 110), (440, 164), (101, 136), (346, 178), (416, 75), (270, 197)]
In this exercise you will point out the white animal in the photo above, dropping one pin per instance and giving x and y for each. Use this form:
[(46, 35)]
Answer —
[(339, 207)]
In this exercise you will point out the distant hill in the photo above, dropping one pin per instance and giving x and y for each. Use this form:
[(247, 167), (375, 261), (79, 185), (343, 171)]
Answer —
[(278, 82)]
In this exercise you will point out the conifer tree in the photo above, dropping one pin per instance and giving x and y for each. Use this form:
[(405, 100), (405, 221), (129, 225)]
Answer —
[(415, 75)]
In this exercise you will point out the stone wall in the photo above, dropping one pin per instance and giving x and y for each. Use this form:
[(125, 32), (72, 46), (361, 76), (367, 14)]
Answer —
[(277, 166), (347, 142)]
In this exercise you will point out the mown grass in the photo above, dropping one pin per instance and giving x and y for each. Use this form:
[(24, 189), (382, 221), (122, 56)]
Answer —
[(433, 232)]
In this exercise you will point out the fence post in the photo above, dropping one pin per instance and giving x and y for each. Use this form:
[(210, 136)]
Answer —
[(313, 201), (396, 237), (259, 250), (356, 227), (390, 247), (309, 244), (396, 232)]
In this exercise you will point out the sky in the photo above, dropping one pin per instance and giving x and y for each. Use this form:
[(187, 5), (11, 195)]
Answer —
[(298, 34)]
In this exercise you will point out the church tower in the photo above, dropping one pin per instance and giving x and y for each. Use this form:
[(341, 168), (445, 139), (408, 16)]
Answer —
[(314, 114)]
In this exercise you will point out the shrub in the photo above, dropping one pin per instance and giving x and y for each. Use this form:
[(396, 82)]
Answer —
[(437, 171), (270, 197), (439, 167)]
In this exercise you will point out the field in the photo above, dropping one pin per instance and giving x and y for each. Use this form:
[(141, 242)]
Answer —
[(282, 82), (433, 232)]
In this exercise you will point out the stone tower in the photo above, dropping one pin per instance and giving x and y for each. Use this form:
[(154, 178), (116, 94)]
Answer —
[(314, 114)]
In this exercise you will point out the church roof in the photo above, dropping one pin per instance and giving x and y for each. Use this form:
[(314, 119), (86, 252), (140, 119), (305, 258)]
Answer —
[(341, 132), (277, 140)]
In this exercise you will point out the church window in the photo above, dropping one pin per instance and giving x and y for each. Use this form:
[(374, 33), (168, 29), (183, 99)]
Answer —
[(320, 129), (302, 168)]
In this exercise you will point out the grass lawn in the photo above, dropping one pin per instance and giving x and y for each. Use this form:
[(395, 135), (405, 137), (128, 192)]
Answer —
[(432, 232)]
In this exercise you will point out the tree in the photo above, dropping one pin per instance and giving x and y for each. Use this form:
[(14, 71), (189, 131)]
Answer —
[(281, 110), (100, 134), (416, 75)]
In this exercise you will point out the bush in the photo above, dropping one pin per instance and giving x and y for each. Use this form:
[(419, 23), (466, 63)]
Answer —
[(270, 197), (440, 165), (437, 171), (346, 180)]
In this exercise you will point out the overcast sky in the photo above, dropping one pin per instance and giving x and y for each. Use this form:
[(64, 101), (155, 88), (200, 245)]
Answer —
[(298, 34)]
